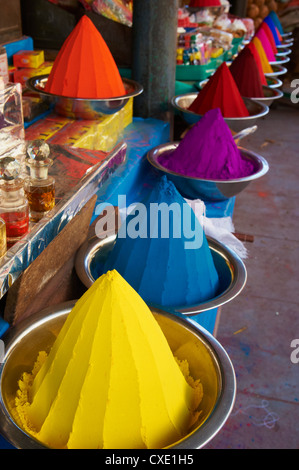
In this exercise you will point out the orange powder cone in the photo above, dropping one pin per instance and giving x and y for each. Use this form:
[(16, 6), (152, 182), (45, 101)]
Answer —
[(265, 63), (220, 92), (258, 62), (84, 66)]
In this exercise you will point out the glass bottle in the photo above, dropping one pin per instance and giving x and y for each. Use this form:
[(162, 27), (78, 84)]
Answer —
[(3, 243), (39, 186), (14, 209)]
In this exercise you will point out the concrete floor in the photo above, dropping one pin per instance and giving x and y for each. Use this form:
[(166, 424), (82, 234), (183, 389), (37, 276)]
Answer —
[(257, 328)]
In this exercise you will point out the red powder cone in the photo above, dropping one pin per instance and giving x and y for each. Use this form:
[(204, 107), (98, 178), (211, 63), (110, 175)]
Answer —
[(246, 74), (258, 62), (269, 34), (84, 66), (262, 36), (220, 92), (204, 3)]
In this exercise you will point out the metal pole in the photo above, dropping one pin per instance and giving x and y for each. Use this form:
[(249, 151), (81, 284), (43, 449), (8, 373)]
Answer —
[(154, 56)]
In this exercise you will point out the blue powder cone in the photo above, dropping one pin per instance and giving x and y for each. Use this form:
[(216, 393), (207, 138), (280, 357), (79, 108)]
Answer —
[(276, 21), (161, 268), (272, 26)]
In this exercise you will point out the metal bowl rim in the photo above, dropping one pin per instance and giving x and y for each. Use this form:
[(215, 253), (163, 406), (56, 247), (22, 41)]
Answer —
[(262, 163), (238, 281), (263, 108), (208, 429), (277, 70), (32, 82), (282, 60)]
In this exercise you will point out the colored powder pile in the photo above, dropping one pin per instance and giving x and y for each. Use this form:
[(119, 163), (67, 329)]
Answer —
[(110, 380), (170, 263), (221, 92), (274, 29), (258, 62), (246, 74), (276, 21), (84, 66), (208, 151), (259, 47), (264, 26), (266, 45)]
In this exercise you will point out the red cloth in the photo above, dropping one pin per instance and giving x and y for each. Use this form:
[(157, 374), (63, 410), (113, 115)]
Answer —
[(246, 74), (204, 3), (84, 66), (258, 61), (221, 92)]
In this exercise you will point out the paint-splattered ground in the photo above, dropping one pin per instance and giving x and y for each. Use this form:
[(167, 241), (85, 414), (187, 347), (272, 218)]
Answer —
[(257, 328)]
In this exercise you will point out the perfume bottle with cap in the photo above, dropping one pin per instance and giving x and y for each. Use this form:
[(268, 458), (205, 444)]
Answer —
[(39, 186), (14, 209)]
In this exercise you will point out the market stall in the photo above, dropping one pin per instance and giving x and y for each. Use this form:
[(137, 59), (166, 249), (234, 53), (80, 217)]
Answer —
[(104, 158)]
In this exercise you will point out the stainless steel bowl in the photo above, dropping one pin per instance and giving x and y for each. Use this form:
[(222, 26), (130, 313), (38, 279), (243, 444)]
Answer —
[(84, 108), (287, 36), (256, 110), (231, 271), (274, 82), (280, 60), (283, 52), (270, 94), (278, 70), (207, 359), (208, 190)]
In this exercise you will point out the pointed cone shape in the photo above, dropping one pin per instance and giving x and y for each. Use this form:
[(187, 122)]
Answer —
[(261, 51), (258, 62), (169, 263), (208, 151), (220, 92), (204, 3), (264, 26), (272, 26), (110, 380), (246, 74), (276, 21), (84, 66), (266, 45)]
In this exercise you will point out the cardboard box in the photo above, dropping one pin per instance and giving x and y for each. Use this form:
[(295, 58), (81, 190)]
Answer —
[(28, 59)]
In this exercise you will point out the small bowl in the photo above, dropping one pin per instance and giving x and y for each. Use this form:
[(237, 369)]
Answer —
[(270, 95), (280, 60), (208, 190), (207, 360), (278, 70), (84, 108), (256, 110), (231, 271), (274, 82), (283, 52), (287, 36)]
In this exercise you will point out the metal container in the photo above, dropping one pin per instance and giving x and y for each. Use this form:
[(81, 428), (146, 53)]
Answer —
[(278, 70), (84, 108), (256, 110), (274, 82), (231, 271), (270, 94), (207, 359), (208, 190), (283, 52), (281, 60)]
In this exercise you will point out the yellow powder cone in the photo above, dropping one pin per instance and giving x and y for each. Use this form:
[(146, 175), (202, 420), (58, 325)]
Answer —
[(261, 51), (110, 380)]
